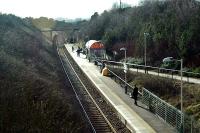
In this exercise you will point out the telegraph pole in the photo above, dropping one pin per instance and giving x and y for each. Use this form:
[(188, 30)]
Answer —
[(145, 50)]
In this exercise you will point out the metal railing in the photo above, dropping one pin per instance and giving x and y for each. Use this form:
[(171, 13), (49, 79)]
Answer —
[(159, 70), (122, 83), (169, 114), (162, 109)]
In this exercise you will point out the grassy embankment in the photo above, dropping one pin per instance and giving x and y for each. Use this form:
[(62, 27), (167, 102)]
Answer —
[(33, 96), (168, 90)]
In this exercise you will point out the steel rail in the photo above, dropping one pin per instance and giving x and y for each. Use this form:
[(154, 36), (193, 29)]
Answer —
[(77, 97), (92, 99)]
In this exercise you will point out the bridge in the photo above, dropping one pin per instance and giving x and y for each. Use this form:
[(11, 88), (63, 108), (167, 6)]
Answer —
[(59, 29), (53, 32)]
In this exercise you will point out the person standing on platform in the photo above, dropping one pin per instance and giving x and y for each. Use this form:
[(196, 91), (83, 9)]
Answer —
[(135, 94), (102, 66), (72, 49), (78, 51)]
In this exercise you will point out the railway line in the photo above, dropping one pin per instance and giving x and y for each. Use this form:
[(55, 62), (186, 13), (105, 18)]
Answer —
[(96, 110)]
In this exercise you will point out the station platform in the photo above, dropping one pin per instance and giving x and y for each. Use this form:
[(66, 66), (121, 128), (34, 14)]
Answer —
[(137, 118)]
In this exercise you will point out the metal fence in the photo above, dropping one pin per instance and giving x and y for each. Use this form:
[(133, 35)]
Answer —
[(169, 114), (129, 89), (159, 70), (162, 109)]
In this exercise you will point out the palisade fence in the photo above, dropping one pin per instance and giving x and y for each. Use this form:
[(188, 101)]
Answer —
[(162, 109)]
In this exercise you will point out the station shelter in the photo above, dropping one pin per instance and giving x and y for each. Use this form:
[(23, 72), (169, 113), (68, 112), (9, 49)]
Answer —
[(95, 50)]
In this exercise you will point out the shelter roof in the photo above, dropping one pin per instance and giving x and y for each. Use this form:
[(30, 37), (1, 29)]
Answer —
[(94, 44)]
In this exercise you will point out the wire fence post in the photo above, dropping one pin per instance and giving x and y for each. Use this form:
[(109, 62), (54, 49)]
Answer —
[(165, 113), (176, 120), (149, 101), (191, 124)]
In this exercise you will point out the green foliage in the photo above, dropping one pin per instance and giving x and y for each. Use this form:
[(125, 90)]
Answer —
[(31, 84), (43, 22), (135, 61), (171, 65), (173, 26), (196, 70), (194, 110)]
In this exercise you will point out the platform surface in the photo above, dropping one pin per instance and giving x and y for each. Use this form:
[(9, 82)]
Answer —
[(138, 118)]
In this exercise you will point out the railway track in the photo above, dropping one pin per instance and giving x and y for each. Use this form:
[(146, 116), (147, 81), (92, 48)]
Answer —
[(95, 117)]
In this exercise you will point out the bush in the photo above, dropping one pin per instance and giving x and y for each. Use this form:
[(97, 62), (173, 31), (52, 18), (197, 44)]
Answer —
[(32, 98), (137, 61)]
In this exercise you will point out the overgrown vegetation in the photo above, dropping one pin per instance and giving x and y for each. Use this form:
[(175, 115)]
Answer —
[(32, 95), (167, 89), (173, 27)]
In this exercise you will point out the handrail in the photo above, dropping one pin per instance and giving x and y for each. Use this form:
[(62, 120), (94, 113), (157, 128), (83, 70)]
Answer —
[(123, 80), (159, 68)]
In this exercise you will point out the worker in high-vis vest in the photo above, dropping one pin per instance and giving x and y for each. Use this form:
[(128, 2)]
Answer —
[(105, 71)]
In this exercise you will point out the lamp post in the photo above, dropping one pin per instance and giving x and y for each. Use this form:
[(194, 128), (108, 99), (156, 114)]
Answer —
[(120, 4), (77, 36), (168, 59), (145, 49), (125, 69)]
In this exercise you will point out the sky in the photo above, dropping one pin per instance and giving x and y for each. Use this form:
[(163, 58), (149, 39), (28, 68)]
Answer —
[(70, 9)]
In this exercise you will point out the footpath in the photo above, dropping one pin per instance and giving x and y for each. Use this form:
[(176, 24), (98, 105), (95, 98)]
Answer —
[(137, 118), (177, 77)]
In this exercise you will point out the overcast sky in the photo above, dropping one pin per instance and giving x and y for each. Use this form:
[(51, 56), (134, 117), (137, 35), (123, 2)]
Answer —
[(70, 9)]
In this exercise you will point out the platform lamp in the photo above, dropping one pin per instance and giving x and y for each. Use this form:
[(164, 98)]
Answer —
[(125, 69), (145, 49)]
